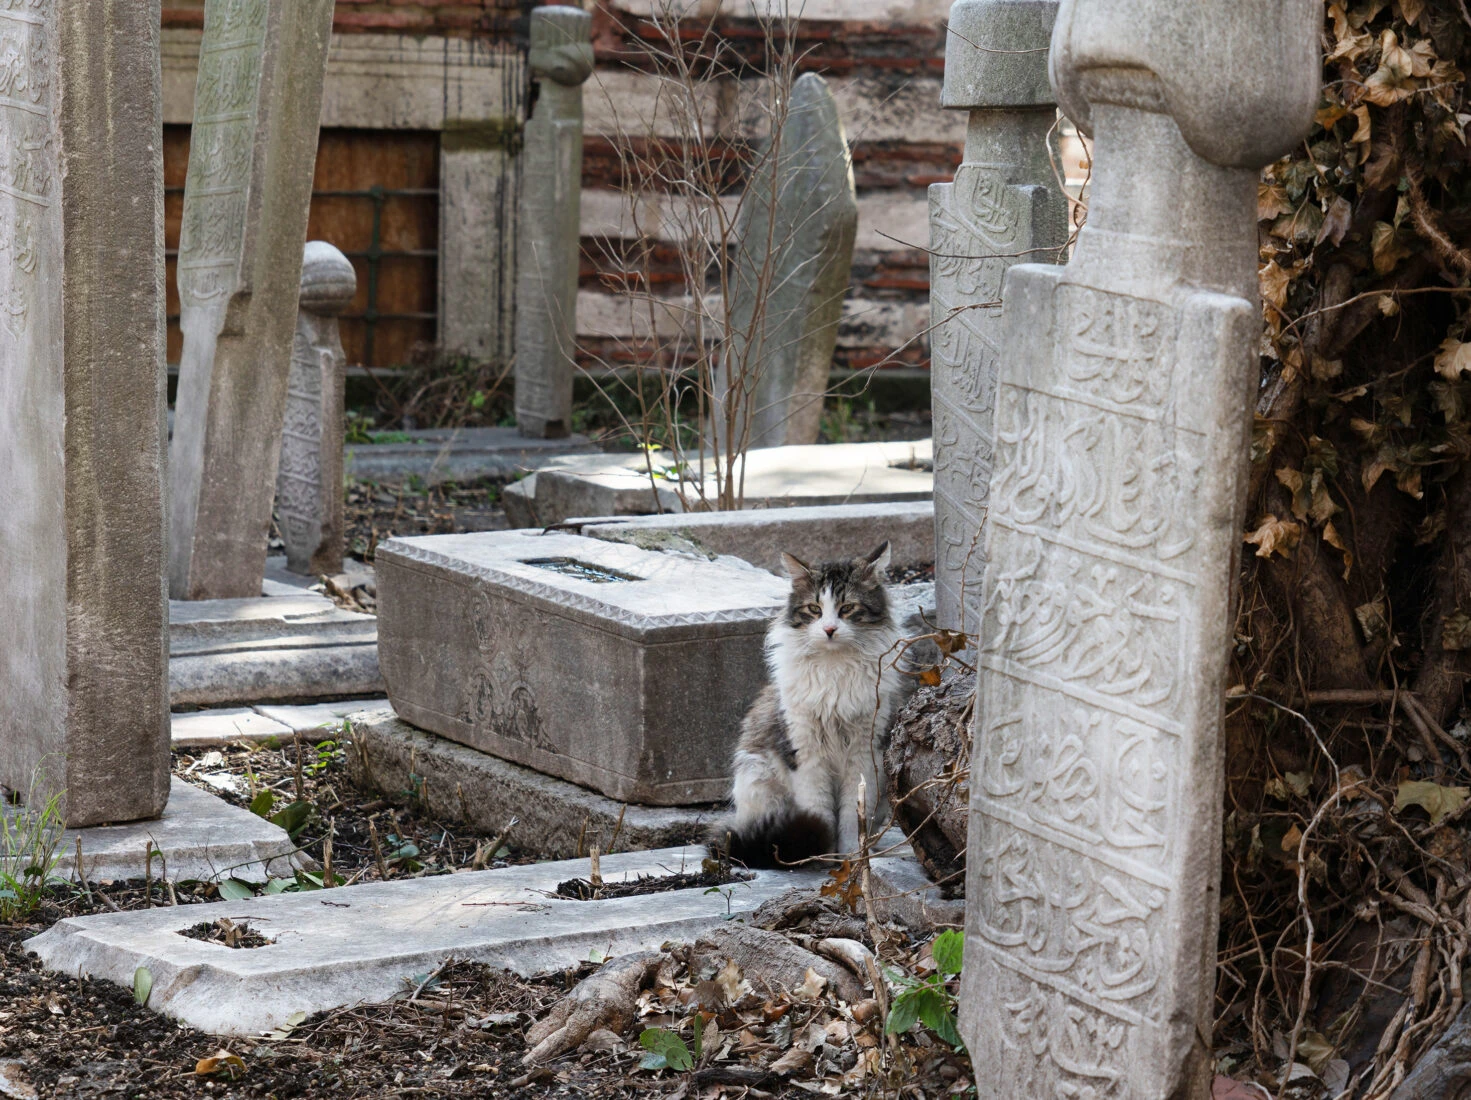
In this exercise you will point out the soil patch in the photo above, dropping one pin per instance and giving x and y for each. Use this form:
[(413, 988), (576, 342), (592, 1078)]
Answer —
[(580, 889), (226, 933)]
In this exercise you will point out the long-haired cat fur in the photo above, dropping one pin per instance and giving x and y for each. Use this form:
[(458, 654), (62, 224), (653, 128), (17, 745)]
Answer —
[(818, 727)]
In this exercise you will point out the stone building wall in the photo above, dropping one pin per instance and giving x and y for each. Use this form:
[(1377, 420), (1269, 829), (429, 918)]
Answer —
[(450, 68)]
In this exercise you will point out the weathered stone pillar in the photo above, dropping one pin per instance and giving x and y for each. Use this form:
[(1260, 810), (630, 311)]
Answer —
[(309, 481), (477, 239), (799, 220), (1124, 409), (1004, 208), (83, 634), (251, 156), (547, 260)]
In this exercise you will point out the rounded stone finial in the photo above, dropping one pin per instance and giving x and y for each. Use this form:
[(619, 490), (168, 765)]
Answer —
[(1241, 78), (996, 54), (328, 280), (561, 45)]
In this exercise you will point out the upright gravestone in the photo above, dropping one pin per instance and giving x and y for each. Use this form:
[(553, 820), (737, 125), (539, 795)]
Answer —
[(799, 219), (547, 253), (84, 703), (309, 481), (1004, 208), (253, 146), (1123, 425)]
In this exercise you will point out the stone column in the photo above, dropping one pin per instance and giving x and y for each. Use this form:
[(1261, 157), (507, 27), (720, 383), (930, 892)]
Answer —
[(1124, 407), (83, 634), (1004, 208), (547, 254), (309, 482), (252, 153), (477, 253), (799, 220)]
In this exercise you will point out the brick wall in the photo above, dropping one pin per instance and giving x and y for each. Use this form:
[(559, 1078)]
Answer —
[(459, 18), (883, 59)]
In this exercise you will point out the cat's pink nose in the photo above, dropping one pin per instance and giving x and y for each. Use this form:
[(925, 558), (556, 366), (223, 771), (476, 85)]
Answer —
[(830, 630)]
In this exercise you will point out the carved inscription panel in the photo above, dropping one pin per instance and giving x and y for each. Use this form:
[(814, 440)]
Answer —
[(27, 160), (299, 491), (979, 226), (221, 151), (1088, 706)]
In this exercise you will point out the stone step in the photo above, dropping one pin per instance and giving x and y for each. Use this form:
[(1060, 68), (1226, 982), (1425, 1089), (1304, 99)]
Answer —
[(367, 943), (199, 838), (272, 649)]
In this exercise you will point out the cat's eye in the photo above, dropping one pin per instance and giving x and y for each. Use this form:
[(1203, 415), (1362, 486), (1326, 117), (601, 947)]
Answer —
[(813, 609), (848, 609)]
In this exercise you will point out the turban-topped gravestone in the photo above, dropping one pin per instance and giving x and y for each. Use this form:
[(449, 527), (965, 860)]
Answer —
[(1122, 433)]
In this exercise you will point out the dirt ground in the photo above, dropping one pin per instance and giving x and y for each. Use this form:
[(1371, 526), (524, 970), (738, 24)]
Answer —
[(460, 1033)]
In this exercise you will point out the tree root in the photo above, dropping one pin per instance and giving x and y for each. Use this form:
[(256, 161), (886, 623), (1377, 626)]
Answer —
[(605, 1000)]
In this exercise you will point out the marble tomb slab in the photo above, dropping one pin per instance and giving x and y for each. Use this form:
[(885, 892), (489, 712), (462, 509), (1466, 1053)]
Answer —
[(759, 535), (621, 669), (367, 944)]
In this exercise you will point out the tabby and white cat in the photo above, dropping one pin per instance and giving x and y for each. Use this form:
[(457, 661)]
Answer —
[(819, 726)]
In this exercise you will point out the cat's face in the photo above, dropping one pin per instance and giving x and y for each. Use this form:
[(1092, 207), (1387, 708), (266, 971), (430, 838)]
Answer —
[(836, 604)]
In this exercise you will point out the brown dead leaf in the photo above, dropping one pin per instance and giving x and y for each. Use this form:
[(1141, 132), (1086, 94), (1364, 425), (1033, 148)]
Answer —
[(731, 983), (794, 1061), (1274, 536), (1412, 10), (930, 677), (812, 986), (1271, 201), (1373, 619), (1387, 247), (1336, 221), (844, 884), (1438, 801), (1333, 539), (1453, 359), (232, 1064), (1455, 632), (1274, 282)]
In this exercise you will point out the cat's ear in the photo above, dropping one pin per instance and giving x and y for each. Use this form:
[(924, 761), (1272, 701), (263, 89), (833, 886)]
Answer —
[(878, 561), (794, 566)]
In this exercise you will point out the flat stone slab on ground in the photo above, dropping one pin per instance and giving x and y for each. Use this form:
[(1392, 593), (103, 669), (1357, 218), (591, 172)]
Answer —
[(457, 783), (457, 454), (370, 941), (269, 649), (760, 535), (199, 838), (217, 728), (838, 473), (621, 669)]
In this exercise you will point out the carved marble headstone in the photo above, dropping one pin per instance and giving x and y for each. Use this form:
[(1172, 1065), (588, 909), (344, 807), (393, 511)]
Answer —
[(257, 106), (799, 219), (1004, 208), (1123, 421), (309, 481), (547, 254), (83, 636)]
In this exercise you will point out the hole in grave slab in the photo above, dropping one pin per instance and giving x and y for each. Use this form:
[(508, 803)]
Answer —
[(226, 933), (582, 570), (712, 875)]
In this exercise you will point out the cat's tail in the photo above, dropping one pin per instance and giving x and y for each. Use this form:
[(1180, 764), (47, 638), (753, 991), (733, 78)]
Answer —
[(774, 840)]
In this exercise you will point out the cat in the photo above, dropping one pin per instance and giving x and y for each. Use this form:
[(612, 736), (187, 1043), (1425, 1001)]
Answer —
[(818, 727)]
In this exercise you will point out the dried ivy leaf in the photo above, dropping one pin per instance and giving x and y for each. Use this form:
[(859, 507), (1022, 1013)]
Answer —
[(1453, 359), (1373, 619), (1274, 536), (1439, 802), (1455, 633)]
